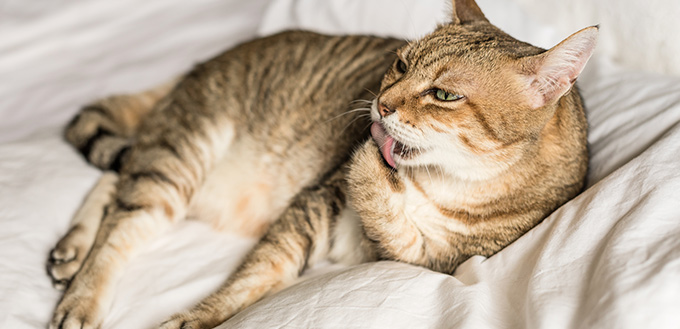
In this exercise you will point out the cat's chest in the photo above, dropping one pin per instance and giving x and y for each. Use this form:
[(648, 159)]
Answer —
[(428, 210)]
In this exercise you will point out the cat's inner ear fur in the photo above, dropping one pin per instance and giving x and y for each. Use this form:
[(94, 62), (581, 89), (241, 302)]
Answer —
[(466, 11), (551, 74)]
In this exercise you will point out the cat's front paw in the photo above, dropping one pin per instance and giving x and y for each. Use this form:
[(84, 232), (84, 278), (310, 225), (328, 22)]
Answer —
[(77, 310), (369, 154), (368, 168), (67, 256)]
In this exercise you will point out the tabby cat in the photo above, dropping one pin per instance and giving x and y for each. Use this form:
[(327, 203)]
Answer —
[(476, 137)]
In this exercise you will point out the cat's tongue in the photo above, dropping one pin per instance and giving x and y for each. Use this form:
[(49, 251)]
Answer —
[(384, 141)]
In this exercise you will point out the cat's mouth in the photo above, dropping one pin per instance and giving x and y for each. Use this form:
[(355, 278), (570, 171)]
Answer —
[(391, 148)]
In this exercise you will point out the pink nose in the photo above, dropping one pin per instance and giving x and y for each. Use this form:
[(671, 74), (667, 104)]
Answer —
[(384, 110)]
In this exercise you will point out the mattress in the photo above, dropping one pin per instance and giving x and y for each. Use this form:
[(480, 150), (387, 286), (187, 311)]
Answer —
[(610, 258)]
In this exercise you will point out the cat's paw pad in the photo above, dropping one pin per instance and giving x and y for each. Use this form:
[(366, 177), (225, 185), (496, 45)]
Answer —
[(190, 320), (75, 312), (179, 322), (67, 257)]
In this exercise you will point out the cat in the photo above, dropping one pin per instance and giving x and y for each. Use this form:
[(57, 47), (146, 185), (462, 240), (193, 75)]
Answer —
[(475, 137)]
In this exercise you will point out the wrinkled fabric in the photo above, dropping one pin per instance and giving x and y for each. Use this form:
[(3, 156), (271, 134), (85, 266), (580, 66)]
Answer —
[(610, 258)]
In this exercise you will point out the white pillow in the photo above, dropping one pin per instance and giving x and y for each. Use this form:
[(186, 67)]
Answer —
[(641, 35), (627, 110)]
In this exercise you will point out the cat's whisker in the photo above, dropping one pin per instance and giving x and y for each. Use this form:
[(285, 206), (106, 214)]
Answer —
[(383, 144), (414, 30), (440, 169), (353, 121), (358, 101), (368, 126), (427, 167), (371, 92), (363, 109)]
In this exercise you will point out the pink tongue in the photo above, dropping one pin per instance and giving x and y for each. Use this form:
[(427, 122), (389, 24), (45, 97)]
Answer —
[(384, 141)]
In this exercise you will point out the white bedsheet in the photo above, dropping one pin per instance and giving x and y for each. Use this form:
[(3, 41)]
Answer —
[(608, 259)]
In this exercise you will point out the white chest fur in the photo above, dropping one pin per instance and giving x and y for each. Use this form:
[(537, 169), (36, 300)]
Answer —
[(422, 209), (412, 205)]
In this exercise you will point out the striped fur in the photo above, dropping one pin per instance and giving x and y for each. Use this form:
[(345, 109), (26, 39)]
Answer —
[(218, 145), (259, 141)]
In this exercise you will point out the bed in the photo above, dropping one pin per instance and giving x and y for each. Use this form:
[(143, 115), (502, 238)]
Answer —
[(610, 258)]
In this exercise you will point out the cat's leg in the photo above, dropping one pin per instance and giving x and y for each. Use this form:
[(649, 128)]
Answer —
[(378, 195), (300, 237), (101, 131), (155, 186), (68, 255)]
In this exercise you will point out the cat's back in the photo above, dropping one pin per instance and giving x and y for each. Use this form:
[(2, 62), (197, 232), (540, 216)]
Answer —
[(290, 87), (293, 92), (294, 68)]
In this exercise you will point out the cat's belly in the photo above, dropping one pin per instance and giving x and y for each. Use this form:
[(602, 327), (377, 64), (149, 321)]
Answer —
[(243, 193)]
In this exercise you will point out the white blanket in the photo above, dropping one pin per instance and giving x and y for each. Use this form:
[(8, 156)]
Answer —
[(608, 259)]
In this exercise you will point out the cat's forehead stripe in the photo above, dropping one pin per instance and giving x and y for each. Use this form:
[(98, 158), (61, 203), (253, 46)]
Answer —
[(432, 59), (429, 51)]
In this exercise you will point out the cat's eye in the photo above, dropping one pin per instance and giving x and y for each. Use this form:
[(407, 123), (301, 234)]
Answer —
[(401, 66), (446, 96)]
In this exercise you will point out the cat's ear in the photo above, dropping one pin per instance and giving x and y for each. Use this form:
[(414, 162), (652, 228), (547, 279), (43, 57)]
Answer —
[(466, 11), (551, 74)]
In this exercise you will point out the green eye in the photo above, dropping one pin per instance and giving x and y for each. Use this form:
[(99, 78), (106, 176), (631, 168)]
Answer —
[(445, 96)]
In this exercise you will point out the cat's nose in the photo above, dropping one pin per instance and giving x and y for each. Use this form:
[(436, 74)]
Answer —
[(384, 110)]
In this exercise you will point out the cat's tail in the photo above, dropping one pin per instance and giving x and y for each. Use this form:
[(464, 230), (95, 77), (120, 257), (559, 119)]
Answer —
[(104, 131)]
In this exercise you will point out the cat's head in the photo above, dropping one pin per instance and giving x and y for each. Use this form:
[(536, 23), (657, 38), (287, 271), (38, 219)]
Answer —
[(469, 99)]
